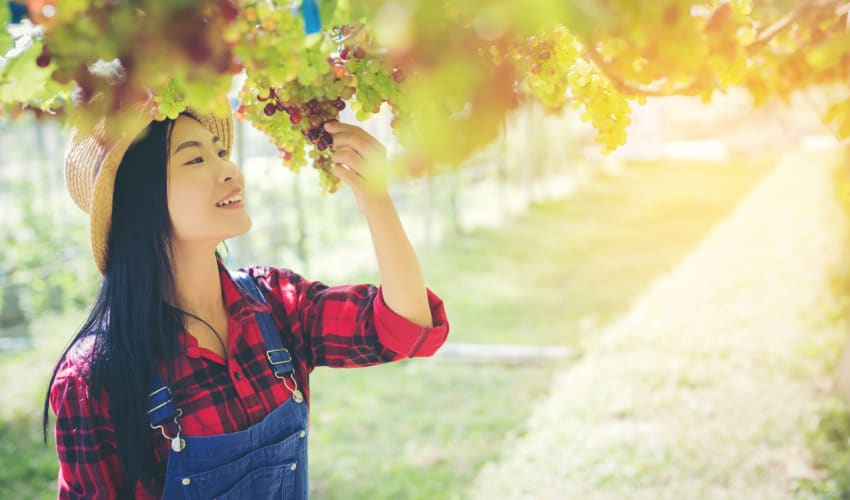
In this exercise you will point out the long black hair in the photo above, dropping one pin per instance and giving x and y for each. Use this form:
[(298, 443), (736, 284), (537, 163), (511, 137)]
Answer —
[(132, 324)]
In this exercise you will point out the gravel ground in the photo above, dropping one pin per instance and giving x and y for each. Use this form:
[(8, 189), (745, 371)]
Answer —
[(704, 388)]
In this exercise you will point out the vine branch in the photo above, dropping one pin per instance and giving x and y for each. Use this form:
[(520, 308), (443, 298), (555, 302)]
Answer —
[(763, 38)]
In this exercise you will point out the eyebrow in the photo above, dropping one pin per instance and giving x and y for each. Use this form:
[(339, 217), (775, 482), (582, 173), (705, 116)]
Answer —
[(189, 144)]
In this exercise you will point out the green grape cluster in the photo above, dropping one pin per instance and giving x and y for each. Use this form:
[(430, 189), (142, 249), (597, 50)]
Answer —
[(730, 29), (169, 101), (605, 108), (329, 72), (545, 61), (552, 69), (376, 82), (79, 36), (292, 114), (268, 40)]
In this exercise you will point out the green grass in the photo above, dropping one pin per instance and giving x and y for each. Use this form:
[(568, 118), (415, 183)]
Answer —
[(828, 437), (829, 433), (422, 429)]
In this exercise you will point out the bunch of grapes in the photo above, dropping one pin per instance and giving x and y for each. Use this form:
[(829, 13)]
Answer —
[(376, 79), (293, 114), (545, 61), (604, 107), (555, 73), (119, 52), (332, 68), (268, 41), (307, 114)]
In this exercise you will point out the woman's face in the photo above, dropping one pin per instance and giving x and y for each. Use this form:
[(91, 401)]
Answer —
[(205, 189)]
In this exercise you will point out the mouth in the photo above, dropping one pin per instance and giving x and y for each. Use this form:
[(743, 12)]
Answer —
[(232, 199)]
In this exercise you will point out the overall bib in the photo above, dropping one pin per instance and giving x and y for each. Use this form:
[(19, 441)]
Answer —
[(266, 460)]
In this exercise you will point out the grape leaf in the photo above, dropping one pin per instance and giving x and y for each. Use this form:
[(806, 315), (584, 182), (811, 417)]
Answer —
[(22, 79), (6, 41), (829, 53), (326, 10), (839, 115)]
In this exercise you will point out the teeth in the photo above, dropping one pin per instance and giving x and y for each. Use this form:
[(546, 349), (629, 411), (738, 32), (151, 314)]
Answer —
[(228, 201)]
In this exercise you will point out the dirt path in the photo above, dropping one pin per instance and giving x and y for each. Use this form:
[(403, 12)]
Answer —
[(702, 389)]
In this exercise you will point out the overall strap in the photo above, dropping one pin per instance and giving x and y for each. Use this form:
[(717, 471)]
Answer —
[(278, 356), (161, 408), (160, 404)]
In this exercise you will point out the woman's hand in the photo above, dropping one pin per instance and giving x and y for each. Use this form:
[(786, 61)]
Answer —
[(358, 158)]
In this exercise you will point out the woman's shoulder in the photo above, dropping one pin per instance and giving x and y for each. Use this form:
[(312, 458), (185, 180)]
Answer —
[(282, 282), (71, 384), (266, 272), (77, 362)]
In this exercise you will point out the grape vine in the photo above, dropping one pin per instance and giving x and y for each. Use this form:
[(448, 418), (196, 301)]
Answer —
[(448, 72)]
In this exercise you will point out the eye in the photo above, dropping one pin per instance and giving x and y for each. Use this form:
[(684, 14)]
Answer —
[(221, 154)]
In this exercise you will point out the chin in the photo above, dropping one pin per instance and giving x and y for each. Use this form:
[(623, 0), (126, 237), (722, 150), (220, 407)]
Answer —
[(243, 227)]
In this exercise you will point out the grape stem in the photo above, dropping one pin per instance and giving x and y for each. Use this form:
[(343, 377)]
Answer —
[(355, 30), (787, 20)]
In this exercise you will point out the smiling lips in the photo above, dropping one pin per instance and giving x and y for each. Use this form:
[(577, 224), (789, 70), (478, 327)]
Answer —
[(235, 196)]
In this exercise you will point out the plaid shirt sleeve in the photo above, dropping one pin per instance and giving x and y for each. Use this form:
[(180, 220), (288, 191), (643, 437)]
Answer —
[(85, 440), (348, 325)]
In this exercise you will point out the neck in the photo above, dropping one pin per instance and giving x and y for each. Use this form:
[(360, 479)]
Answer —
[(196, 281)]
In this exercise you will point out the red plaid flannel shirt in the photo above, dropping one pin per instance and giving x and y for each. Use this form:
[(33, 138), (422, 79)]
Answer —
[(340, 326)]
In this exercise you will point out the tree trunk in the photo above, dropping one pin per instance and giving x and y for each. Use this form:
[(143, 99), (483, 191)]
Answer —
[(301, 226)]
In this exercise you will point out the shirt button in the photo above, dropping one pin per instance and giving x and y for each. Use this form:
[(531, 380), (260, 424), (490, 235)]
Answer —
[(302, 434), (186, 481), (237, 375), (293, 467)]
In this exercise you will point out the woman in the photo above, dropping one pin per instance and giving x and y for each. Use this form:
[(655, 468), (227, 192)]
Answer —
[(187, 381)]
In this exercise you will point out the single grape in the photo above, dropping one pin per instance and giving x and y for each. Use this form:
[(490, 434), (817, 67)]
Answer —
[(43, 59), (398, 75)]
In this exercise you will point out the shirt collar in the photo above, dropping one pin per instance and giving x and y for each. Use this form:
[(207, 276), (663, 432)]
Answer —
[(238, 302)]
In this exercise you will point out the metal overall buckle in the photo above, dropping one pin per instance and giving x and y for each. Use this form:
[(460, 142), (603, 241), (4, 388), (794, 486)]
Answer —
[(297, 396), (177, 442)]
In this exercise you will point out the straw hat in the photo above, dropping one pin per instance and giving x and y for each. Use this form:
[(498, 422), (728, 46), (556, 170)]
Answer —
[(92, 160)]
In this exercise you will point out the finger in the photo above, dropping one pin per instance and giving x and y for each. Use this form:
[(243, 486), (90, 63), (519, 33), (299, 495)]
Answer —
[(352, 140), (344, 147), (333, 126), (349, 158), (345, 174)]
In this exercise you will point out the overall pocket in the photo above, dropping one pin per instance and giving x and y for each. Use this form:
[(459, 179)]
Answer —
[(271, 469), (275, 482)]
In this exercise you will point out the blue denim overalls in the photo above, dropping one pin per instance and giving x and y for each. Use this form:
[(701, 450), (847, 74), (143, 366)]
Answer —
[(266, 460)]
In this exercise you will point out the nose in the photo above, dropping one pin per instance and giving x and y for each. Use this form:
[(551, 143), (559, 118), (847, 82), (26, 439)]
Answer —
[(230, 171)]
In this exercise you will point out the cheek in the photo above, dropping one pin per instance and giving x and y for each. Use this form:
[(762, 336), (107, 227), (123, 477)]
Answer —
[(186, 206)]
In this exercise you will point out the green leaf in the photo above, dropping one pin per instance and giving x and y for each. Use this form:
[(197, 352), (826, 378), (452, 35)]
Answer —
[(828, 54), (22, 79), (326, 11), (838, 116), (6, 41)]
